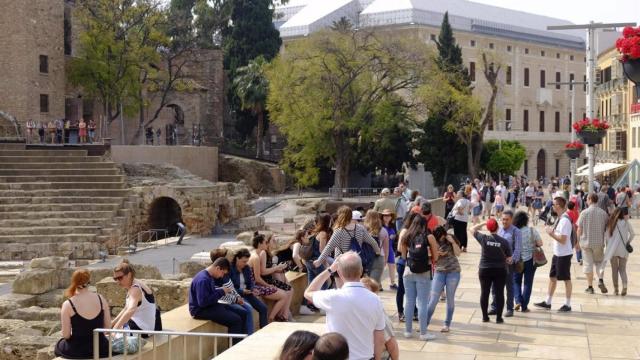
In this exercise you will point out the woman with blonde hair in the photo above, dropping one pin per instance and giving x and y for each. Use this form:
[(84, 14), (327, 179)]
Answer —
[(344, 232), (140, 311), (373, 224), (619, 233), (81, 313)]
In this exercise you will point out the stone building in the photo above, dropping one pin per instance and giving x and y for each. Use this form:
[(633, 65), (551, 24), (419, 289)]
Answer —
[(528, 109), (40, 37)]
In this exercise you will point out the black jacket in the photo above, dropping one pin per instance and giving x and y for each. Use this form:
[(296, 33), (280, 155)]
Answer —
[(492, 193)]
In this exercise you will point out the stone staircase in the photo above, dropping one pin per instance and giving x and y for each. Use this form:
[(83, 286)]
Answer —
[(59, 202)]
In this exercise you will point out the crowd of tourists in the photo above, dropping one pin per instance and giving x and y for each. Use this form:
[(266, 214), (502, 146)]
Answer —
[(345, 256), (61, 131)]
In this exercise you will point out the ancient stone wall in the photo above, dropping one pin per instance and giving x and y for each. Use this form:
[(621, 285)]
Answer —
[(260, 176)]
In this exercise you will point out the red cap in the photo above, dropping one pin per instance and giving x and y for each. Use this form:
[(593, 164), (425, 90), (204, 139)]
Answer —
[(492, 225)]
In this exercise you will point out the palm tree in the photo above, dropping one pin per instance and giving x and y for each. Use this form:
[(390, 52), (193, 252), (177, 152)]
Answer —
[(251, 86), (343, 25)]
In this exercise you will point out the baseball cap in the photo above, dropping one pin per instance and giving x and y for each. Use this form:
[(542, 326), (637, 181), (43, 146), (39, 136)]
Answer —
[(356, 215), (492, 225), (559, 194)]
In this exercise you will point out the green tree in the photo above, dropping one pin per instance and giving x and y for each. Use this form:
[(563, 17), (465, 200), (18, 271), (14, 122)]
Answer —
[(342, 25), (504, 157), (439, 150), (324, 90), (252, 87)]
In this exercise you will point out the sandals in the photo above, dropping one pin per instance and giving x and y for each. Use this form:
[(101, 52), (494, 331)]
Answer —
[(444, 329)]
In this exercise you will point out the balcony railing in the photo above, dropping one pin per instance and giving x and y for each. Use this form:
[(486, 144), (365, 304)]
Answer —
[(635, 108), (611, 156)]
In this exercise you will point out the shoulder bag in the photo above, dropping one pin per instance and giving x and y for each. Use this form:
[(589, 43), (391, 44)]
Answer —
[(627, 246)]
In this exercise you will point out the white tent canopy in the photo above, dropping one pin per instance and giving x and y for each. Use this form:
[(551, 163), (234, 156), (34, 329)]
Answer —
[(598, 168)]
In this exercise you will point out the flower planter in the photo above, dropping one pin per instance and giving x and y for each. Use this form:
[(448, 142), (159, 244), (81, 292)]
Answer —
[(631, 69), (592, 137), (573, 153)]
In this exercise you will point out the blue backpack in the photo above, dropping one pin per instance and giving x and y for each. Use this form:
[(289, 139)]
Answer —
[(366, 251)]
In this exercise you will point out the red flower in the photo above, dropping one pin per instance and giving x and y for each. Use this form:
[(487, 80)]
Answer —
[(574, 145), (629, 44), (590, 125)]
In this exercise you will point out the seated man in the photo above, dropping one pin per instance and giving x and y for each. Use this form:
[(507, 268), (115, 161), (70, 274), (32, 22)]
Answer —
[(204, 296), (352, 310)]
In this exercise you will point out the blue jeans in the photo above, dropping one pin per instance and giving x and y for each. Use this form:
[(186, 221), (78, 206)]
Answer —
[(417, 288), (579, 255), (399, 223), (260, 307), (248, 315), (313, 271), (440, 281), (232, 318), (400, 265), (522, 294)]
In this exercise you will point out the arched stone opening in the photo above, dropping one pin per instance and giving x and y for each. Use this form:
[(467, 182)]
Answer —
[(164, 213), (542, 164)]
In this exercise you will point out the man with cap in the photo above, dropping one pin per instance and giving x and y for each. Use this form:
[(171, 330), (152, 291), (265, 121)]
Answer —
[(562, 254), (386, 202)]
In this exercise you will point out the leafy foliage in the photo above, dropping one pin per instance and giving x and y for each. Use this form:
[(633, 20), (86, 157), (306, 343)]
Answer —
[(505, 158), (251, 86)]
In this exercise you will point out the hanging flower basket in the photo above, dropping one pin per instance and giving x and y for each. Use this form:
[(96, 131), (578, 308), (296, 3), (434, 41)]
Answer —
[(628, 46), (592, 137), (631, 69), (574, 149), (591, 131)]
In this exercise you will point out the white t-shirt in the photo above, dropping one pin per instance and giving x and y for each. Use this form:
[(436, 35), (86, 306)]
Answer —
[(464, 204), (564, 228), (355, 312), (502, 190), (529, 191), (475, 197)]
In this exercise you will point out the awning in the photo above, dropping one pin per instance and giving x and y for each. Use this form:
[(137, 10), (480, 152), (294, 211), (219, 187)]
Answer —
[(599, 168)]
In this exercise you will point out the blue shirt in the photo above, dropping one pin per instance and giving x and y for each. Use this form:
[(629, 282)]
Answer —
[(203, 292), (514, 238)]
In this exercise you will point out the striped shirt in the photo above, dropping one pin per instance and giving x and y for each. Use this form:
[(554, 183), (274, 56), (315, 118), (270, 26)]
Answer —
[(593, 223), (340, 241)]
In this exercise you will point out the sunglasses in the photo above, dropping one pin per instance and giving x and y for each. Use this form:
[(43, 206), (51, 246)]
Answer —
[(118, 278)]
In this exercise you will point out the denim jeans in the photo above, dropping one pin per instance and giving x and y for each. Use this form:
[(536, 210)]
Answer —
[(226, 316), (377, 268), (248, 315), (313, 271), (260, 307), (440, 281), (522, 294), (417, 288), (579, 255), (509, 285), (400, 265)]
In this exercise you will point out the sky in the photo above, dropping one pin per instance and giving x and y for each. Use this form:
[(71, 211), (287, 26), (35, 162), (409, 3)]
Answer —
[(576, 11)]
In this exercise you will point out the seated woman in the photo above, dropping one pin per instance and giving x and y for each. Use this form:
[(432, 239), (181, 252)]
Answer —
[(244, 283), (140, 311), (83, 312), (266, 284)]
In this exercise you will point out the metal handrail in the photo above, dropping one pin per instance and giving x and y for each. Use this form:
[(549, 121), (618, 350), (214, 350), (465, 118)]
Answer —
[(138, 333)]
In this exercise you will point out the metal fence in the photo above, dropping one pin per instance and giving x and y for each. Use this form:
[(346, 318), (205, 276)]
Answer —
[(337, 193), (154, 341)]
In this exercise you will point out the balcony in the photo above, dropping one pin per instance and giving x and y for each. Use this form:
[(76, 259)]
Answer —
[(618, 121), (612, 85), (635, 108), (617, 156)]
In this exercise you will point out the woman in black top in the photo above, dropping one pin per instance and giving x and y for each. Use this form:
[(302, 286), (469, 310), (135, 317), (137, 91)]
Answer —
[(496, 254)]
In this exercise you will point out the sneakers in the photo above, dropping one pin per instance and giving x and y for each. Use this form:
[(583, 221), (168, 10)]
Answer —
[(602, 288), (393, 287), (407, 335), (615, 291), (492, 312), (509, 313), (589, 290), (517, 307), (543, 304), (624, 292), (525, 310), (401, 317), (485, 319), (445, 329), (304, 310), (499, 321), (564, 308), (427, 336)]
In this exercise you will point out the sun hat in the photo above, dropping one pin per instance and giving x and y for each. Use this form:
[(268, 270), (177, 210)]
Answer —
[(356, 215)]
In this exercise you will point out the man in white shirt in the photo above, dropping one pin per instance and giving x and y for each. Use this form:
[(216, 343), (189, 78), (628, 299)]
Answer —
[(353, 310), (502, 190), (562, 254)]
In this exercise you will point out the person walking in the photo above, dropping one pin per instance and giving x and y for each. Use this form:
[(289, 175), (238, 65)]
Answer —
[(489, 197), (562, 253), (401, 263), (447, 275), (373, 224), (461, 217), (385, 202), (620, 233), (389, 225), (495, 256), (530, 240), (592, 225), (449, 199), (415, 247), (402, 207), (513, 237)]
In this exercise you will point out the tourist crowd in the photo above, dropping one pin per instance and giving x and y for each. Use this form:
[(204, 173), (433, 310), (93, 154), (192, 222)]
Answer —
[(61, 131)]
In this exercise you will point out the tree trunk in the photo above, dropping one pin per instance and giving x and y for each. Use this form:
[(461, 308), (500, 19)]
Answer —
[(470, 160), (259, 133), (136, 136), (341, 178), (446, 176)]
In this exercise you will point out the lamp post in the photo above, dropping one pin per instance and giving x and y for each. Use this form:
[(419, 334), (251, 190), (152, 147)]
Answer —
[(591, 67)]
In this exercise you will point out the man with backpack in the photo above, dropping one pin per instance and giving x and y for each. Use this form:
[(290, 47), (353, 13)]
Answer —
[(592, 225), (561, 234)]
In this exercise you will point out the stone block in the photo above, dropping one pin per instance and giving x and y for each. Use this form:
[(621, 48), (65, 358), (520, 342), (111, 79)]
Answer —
[(49, 262), (170, 294), (23, 347), (46, 353), (176, 277), (111, 291), (53, 298), (35, 313), (98, 274), (191, 268), (47, 327), (147, 272), (9, 326), (13, 301), (64, 277), (35, 282)]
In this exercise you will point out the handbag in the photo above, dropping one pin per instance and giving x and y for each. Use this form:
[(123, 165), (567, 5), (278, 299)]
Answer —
[(539, 259), (627, 246), (306, 251), (519, 267)]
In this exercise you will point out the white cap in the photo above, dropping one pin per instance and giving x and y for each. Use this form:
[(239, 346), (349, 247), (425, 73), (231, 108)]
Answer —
[(356, 215), (559, 194)]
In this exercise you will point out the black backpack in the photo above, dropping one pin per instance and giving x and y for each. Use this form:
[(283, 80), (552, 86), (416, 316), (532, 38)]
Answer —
[(418, 254)]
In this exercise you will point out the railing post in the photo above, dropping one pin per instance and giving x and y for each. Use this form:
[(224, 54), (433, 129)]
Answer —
[(96, 345)]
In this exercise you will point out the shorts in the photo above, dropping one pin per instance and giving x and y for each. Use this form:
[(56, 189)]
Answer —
[(561, 267), (477, 210), (591, 257), (528, 200), (499, 208), (537, 204)]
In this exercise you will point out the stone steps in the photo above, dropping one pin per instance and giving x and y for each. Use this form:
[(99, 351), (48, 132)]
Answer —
[(61, 185), (42, 152), (88, 194), (59, 172), (62, 215), (41, 159), (44, 229), (59, 207), (60, 178), (58, 165), (48, 238), (35, 200), (73, 246)]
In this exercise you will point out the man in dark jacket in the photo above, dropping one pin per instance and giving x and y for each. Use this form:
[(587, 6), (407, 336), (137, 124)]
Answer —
[(488, 194)]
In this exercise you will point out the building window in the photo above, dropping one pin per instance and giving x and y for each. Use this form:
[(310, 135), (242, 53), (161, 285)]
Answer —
[(44, 64), (584, 115), (541, 121), (433, 37), (525, 120), (557, 55), (490, 45), (526, 50), (542, 53), (508, 48), (557, 121), (44, 103), (472, 71), (526, 167), (558, 77), (507, 117), (571, 57), (572, 78), (570, 121), (526, 76), (584, 59), (557, 167), (67, 32), (472, 43), (543, 80), (508, 75), (633, 137), (584, 85)]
